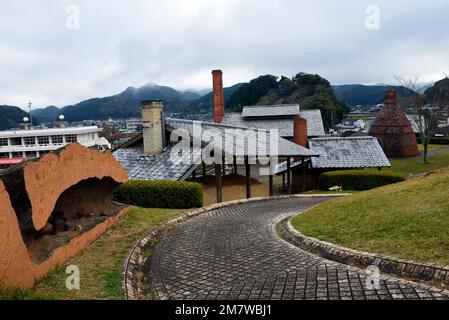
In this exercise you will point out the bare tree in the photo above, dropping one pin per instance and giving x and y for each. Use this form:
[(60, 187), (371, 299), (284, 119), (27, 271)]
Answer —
[(424, 109)]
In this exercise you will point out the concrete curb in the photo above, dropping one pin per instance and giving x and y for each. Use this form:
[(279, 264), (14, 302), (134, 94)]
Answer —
[(134, 259), (410, 269)]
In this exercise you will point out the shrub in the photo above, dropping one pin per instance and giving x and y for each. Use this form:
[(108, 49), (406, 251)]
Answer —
[(160, 194), (437, 140), (434, 140), (357, 179)]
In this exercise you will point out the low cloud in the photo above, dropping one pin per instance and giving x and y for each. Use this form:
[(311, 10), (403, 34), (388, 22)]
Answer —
[(178, 43)]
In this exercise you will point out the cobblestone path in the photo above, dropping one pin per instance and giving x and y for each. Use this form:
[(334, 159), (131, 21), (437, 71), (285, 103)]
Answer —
[(234, 253)]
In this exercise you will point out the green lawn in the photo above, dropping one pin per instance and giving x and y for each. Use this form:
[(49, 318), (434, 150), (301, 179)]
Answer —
[(100, 264), (408, 220), (413, 166)]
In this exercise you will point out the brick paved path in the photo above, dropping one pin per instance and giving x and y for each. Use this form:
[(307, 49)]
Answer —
[(233, 253)]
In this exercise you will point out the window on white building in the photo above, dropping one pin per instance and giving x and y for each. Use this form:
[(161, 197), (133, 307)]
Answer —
[(3, 142), (70, 138), (17, 155), (4, 155), (57, 139), (30, 154), (29, 141), (16, 141), (43, 140)]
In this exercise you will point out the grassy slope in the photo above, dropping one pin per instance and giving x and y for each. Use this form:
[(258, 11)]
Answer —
[(100, 264), (407, 220), (414, 166)]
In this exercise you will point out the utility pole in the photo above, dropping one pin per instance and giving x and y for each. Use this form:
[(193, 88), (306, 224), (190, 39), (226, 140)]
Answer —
[(31, 117)]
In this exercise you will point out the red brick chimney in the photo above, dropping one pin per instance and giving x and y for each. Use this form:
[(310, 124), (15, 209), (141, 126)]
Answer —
[(390, 98), (217, 78), (300, 131)]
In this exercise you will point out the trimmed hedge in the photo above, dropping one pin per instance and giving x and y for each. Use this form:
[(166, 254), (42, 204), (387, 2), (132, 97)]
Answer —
[(357, 179), (434, 140), (437, 140), (160, 194)]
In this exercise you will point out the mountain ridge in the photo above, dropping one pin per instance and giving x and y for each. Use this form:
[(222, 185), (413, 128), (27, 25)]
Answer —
[(360, 94), (126, 103)]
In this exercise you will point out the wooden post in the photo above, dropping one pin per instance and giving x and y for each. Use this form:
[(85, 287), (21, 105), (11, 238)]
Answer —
[(194, 174), (204, 169), (235, 165), (223, 163), (303, 175), (289, 177), (283, 180), (248, 177), (218, 182), (270, 180)]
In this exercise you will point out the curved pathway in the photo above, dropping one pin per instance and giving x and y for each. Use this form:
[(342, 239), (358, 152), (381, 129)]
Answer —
[(234, 253)]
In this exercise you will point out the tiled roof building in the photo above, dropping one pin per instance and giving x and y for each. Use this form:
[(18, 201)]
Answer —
[(162, 166), (276, 117), (348, 153)]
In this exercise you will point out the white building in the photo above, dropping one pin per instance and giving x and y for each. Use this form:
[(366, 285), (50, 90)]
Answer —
[(133, 124), (33, 143)]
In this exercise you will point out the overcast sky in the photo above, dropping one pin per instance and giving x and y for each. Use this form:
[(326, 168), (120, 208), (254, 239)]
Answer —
[(46, 58)]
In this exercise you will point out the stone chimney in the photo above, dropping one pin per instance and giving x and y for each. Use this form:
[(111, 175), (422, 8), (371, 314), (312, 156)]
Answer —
[(300, 131), (152, 124), (217, 78), (390, 98)]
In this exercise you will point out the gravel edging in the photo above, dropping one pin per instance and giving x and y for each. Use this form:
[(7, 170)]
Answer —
[(135, 259), (428, 272)]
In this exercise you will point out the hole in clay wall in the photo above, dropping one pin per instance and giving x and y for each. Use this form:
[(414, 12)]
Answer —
[(78, 209)]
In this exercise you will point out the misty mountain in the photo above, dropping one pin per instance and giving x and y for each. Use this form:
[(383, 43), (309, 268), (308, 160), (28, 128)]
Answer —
[(11, 117), (127, 104), (205, 103), (47, 114), (357, 94), (438, 93)]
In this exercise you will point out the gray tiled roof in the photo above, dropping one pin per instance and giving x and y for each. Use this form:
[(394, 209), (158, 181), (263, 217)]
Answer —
[(270, 110), (232, 142), (351, 152), (158, 167), (162, 167), (315, 127)]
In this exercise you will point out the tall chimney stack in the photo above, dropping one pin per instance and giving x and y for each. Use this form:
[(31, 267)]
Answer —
[(390, 98), (152, 114), (217, 78), (300, 131)]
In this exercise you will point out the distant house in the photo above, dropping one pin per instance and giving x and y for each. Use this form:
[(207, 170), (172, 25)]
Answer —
[(117, 139), (441, 131)]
